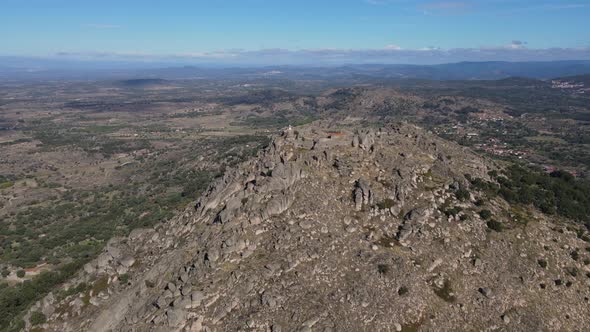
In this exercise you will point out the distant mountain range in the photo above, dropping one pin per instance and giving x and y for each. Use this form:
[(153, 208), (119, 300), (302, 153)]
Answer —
[(143, 82), (478, 70), (13, 68)]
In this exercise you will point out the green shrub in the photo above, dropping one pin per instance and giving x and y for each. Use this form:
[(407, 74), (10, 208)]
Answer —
[(485, 214), (20, 273), (453, 211), (462, 194), (558, 192), (124, 278), (403, 290), (15, 299), (37, 318), (573, 271), (495, 225)]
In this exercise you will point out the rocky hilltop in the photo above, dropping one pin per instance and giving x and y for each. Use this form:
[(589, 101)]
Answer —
[(338, 229)]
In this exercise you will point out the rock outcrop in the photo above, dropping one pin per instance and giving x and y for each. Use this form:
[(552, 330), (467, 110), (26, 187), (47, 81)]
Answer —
[(362, 194), (321, 234)]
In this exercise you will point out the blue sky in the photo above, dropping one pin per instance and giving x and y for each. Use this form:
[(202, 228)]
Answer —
[(285, 31)]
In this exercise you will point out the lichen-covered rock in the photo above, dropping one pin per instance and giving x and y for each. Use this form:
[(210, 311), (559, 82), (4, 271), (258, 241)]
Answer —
[(362, 194)]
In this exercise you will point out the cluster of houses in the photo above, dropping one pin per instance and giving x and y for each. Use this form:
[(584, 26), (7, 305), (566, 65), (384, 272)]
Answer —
[(556, 84), (578, 87), (497, 148), (550, 169)]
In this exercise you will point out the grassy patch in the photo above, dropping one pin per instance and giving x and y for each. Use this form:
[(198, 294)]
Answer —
[(519, 216), (276, 121), (411, 327), (386, 204), (100, 285)]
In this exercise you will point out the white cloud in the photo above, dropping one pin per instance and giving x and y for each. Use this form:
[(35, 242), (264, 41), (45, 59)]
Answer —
[(515, 51)]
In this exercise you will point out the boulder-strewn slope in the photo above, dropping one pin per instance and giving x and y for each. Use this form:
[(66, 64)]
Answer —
[(339, 230)]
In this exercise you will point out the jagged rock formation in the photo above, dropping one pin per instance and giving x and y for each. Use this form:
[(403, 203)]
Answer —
[(363, 195), (335, 230)]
